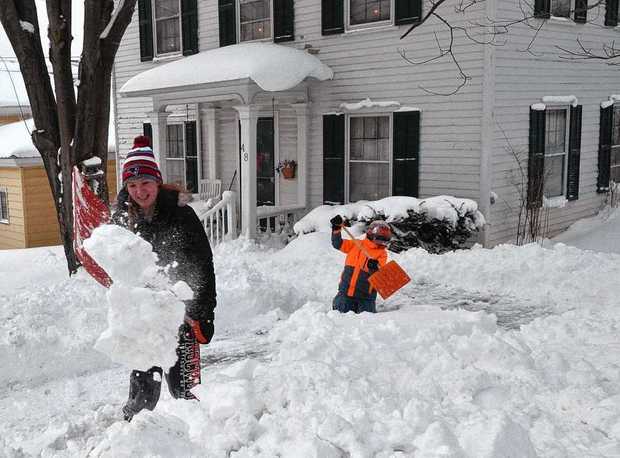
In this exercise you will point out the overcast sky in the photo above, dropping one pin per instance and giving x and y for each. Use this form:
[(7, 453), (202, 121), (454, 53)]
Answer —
[(76, 27)]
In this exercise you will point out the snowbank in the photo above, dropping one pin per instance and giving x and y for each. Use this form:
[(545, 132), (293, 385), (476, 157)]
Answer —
[(446, 208)]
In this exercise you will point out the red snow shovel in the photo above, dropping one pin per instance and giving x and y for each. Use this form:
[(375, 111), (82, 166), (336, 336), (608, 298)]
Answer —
[(89, 212), (389, 278)]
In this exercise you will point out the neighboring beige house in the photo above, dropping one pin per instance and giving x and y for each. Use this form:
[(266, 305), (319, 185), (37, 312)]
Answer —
[(229, 88), (27, 213)]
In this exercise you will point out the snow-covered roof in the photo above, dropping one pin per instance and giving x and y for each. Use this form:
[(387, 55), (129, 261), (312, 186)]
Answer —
[(273, 67), (16, 142)]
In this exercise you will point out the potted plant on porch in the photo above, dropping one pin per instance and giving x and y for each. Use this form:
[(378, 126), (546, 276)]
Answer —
[(287, 168)]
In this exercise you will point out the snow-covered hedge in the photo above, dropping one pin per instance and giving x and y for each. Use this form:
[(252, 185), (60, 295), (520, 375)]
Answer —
[(437, 224)]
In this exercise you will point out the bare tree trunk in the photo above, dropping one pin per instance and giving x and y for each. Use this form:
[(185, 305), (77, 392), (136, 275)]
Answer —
[(67, 132)]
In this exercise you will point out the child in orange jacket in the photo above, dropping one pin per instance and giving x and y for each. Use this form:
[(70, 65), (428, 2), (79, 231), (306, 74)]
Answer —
[(354, 291)]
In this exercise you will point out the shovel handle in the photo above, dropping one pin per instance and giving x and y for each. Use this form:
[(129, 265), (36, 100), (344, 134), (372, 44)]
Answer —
[(357, 243)]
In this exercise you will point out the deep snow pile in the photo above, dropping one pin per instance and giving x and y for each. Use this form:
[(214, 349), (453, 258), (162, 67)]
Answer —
[(144, 308), (415, 381)]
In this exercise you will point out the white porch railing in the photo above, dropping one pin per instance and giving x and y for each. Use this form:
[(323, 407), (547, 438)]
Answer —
[(277, 219), (220, 221)]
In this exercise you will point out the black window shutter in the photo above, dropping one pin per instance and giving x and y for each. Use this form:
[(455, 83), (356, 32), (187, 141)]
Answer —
[(147, 131), (189, 24), (332, 17), (611, 13), (191, 150), (408, 11), (604, 148), (145, 26), (581, 11), (574, 154), (536, 158), (406, 159), (228, 22), (333, 159), (283, 20), (542, 8)]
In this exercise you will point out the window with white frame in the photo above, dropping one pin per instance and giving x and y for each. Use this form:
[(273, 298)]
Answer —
[(560, 8), (369, 158), (4, 205), (556, 150), (369, 11), (181, 167), (614, 171), (167, 26), (254, 19)]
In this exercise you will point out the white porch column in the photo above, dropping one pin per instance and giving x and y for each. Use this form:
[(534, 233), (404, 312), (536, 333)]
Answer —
[(208, 115), (159, 121), (248, 115), (303, 114)]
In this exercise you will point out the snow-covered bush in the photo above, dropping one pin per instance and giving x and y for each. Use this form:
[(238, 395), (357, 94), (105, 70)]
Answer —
[(437, 224)]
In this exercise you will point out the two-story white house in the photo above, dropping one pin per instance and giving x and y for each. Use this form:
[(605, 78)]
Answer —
[(228, 89)]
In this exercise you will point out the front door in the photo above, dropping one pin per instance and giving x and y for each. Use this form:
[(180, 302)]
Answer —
[(265, 162)]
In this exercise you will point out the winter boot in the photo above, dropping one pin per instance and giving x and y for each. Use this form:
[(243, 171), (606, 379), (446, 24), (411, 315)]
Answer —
[(144, 389)]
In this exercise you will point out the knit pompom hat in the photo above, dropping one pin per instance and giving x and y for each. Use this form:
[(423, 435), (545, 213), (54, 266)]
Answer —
[(140, 162)]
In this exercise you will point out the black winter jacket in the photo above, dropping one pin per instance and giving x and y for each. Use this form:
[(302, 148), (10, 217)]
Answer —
[(179, 239)]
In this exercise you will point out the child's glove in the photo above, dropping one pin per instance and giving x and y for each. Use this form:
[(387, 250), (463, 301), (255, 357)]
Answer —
[(373, 265), (203, 329), (336, 222)]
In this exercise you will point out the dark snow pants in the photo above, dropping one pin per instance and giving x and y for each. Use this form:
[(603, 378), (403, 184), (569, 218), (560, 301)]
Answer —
[(145, 386), (346, 304)]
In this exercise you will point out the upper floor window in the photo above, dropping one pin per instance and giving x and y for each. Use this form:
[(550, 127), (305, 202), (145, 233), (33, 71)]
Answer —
[(560, 8), (369, 11), (167, 26), (254, 19)]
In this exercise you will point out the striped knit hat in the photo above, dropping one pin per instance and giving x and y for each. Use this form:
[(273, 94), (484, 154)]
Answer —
[(140, 161)]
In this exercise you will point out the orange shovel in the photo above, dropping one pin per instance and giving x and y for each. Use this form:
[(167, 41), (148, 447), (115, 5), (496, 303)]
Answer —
[(389, 278)]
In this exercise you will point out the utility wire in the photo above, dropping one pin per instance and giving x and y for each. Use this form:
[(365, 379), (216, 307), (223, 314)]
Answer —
[(16, 95)]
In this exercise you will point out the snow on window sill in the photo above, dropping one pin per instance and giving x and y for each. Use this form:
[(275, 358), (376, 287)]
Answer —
[(369, 27), (554, 202), (167, 57), (561, 19)]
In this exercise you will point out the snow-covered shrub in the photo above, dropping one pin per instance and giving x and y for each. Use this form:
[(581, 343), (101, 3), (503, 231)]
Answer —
[(437, 224)]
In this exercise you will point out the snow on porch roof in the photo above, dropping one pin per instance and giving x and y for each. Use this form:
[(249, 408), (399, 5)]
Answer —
[(273, 67)]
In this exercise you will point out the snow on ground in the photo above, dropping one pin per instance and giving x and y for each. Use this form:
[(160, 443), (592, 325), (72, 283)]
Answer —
[(487, 353), (598, 233)]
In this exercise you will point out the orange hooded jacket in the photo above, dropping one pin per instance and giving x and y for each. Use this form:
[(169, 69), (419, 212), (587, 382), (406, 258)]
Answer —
[(354, 278)]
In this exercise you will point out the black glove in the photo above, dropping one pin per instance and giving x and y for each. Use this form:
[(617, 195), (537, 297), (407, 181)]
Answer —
[(336, 222), (203, 329), (373, 265)]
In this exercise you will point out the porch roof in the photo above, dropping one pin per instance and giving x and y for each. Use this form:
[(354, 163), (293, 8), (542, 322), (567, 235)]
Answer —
[(272, 67)]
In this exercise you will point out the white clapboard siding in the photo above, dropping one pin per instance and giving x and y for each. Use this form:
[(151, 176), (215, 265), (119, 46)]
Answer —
[(523, 78)]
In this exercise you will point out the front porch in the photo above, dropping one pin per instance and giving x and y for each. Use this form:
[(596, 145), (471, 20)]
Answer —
[(235, 125)]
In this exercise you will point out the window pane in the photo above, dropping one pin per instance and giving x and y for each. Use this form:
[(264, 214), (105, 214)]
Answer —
[(616, 126), (369, 138), (168, 37), (174, 172), (365, 11), (175, 141), (554, 174), (555, 132), (255, 19), (615, 164), (166, 8), (4, 205), (368, 181), (560, 8)]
